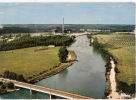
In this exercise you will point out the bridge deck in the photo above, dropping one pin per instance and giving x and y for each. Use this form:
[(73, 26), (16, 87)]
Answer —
[(46, 90)]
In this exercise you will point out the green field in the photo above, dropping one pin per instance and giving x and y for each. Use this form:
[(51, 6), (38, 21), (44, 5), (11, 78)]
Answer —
[(122, 47), (29, 61)]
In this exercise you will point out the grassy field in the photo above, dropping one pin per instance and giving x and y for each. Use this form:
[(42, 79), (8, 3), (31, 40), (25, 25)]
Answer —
[(55, 69), (29, 61), (122, 47)]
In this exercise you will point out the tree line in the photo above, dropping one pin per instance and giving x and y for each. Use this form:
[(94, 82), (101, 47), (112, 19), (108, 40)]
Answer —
[(14, 76), (99, 47), (14, 30), (28, 41)]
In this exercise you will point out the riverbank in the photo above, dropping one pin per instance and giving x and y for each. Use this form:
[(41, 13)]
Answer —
[(111, 70), (7, 87), (114, 94), (106, 56), (8, 91), (56, 69)]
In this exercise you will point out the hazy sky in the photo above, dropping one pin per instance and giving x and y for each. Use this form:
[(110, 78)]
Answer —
[(74, 13)]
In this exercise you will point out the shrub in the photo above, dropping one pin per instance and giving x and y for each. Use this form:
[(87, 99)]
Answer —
[(3, 86), (1, 83), (14, 76), (10, 85), (129, 89)]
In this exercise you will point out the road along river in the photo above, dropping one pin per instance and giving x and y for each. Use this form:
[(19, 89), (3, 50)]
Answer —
[(86, 76)]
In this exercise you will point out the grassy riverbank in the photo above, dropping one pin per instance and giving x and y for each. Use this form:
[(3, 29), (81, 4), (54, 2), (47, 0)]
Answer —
[(122, 47), (33, 63)]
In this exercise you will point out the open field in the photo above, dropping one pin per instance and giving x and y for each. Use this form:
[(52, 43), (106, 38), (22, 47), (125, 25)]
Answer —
[(122, 47), (29, 61), (55, 69)]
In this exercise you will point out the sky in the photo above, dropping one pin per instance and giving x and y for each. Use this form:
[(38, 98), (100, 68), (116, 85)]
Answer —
[(73, 13)]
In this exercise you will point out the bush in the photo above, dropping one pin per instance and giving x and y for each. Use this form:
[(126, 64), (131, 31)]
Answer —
[(14, 76), (116, 70), (10, 85), (1, 83), (3, 86), (126, 88), (2, 91)]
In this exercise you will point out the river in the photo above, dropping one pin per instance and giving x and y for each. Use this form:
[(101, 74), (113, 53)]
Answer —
[(86, 76)]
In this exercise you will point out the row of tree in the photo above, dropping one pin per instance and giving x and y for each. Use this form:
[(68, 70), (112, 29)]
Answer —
[(14, 76), (5, 30), (99, 47), (28, 41)]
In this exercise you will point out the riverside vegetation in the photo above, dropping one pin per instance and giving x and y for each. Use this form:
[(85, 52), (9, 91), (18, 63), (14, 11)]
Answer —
[(122, 48), (21, 59), (6, 87)]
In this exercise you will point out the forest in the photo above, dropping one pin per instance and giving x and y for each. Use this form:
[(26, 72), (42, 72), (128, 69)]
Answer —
[(33, 28), (28, 41)]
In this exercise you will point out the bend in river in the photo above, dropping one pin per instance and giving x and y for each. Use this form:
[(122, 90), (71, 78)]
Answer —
[(86, 76)]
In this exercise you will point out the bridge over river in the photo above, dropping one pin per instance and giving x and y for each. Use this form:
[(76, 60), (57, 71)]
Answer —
[(46, 90), (85, 77)]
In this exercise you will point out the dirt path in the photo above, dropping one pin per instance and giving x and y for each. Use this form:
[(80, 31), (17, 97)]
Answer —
[(114, 94)]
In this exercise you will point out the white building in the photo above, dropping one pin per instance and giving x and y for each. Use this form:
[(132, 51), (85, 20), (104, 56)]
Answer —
[(1, 26)]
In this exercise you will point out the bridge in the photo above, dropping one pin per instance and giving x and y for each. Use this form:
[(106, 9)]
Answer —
[(46, 90)]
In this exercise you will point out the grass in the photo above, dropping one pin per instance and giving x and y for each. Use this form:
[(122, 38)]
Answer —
[(29, 61), (55, 69), (122, 47)]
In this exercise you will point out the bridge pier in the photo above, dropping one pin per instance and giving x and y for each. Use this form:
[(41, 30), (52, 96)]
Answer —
[(50, 96), (32, 91)]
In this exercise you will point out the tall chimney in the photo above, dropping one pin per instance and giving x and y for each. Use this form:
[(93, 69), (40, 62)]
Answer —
[(63, 25)]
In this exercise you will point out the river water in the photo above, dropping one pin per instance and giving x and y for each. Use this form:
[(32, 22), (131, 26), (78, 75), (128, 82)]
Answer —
[(86, 76)]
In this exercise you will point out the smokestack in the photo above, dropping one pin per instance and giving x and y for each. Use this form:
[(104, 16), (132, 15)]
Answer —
[(63, 25)]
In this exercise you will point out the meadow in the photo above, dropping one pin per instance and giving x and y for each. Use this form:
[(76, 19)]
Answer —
[(29, 61), (122, 47)]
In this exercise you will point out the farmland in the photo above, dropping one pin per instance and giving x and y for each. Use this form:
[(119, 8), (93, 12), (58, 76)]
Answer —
[(29, 61), (122, 47)]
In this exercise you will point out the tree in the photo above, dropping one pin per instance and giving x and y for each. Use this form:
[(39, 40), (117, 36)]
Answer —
[(21, 78), (1, 83), (10, 85), (28, 41), (63, 54), (3, 86), (6, 74), (14, 76)]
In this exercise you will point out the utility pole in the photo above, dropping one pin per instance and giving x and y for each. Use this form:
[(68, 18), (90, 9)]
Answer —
[(63, 25)]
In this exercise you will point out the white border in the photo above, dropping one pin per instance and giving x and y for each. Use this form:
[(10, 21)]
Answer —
[(6, 1)]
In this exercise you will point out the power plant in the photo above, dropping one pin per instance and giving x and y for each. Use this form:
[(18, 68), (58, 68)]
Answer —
[(63, 25)]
